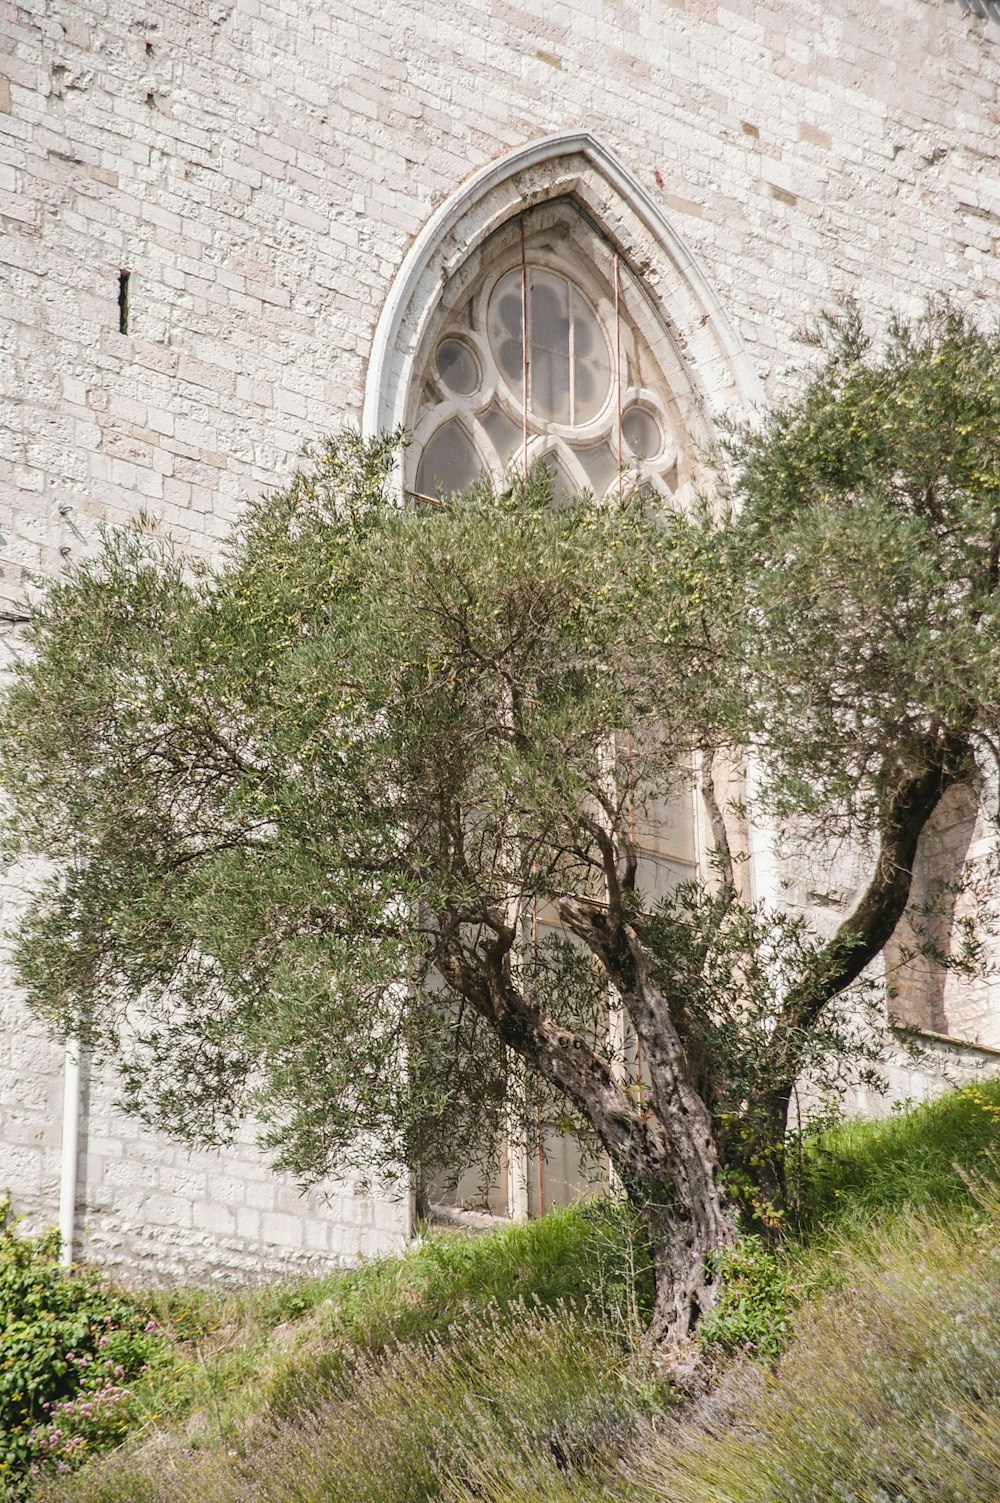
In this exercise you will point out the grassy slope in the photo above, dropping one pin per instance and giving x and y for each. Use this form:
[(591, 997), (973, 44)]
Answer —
[(504, 1368), (865, 1170)]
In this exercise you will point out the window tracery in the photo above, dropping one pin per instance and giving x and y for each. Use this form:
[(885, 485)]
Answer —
[(587, 391)]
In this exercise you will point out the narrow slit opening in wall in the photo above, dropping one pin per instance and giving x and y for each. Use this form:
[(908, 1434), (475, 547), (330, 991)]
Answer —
[(124, 290)]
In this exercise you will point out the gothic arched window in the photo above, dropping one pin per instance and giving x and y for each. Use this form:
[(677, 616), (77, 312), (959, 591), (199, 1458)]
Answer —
[(588, 391), (543, 344)]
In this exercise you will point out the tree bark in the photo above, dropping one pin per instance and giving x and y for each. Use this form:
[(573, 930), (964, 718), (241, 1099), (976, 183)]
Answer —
[(661, 1138), (662, 1146), (675, 1186), (682, 1243)]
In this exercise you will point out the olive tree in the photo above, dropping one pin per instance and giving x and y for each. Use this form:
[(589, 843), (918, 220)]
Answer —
[(869, 539), (297, 806)]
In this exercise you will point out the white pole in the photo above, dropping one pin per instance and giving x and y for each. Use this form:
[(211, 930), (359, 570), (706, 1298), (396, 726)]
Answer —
[(70, 1150)]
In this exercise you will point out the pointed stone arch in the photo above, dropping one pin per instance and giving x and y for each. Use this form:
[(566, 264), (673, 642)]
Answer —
[(710, 371)]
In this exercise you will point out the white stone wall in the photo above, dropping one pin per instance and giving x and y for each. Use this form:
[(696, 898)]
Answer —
[(920, 1067), (150, 1209), (260, 167)]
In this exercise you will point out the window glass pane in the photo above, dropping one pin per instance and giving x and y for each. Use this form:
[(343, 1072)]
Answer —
[(641, 433), (458, 367), (505, 435), (570, 367), (601, 466), (548, 336), (591, 363), (503, 330), (449, 462)]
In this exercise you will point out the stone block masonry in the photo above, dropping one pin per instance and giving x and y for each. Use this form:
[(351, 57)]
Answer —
[(260, 170)]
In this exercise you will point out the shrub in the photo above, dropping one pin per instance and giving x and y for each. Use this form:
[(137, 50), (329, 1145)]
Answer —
[(752, 1312), (69, 1347)]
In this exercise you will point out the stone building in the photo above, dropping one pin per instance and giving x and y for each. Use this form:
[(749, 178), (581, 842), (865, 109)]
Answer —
[(229, 226)]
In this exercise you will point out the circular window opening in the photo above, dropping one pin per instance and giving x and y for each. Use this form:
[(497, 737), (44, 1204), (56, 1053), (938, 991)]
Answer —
[(569, 367), (458, 367), (641, 433)]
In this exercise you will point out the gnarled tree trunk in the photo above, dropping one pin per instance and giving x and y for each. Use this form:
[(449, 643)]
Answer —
[(672, 1177), (685, 1228), (659, 1141)]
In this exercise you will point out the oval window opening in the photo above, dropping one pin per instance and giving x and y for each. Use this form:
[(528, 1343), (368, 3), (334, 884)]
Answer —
[(458, 367), (641, 433)]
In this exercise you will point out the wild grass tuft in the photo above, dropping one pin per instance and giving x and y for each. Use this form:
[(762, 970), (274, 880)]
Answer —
[(888, 1393), (889, 1390), (592, 1253), (551, 1391)]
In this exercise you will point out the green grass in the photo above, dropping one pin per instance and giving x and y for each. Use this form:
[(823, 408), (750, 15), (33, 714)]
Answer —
[(399, 1372), (590, 1253), (264, 1352), (505, 1368), (862, 1171), (551, 1384), (890, 1389), (888, 1393)]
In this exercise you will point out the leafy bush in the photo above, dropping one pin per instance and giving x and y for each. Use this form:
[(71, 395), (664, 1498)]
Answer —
[(752, 1312), (69, 1347)]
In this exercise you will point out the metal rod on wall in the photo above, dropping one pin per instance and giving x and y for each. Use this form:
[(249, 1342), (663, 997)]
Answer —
[(539, 1146), (70, 1151)]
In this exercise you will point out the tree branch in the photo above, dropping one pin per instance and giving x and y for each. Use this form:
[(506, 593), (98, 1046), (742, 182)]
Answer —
[(619, 881), (720, 835), (560, 1055), (947, 762)]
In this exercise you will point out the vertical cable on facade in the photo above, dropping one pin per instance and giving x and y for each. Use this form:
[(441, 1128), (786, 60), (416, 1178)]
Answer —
[(632, 832), (621, 492), (539, 1146)]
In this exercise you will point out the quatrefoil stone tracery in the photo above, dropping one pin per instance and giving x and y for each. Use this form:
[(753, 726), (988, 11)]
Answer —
[(590, 409)]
